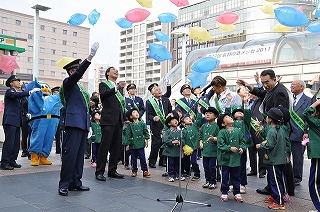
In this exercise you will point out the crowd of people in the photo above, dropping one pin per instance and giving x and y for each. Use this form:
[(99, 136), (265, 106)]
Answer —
[(267, 122)]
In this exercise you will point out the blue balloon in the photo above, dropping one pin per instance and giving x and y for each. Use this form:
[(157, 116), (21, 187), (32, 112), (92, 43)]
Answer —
[(167, 17), (314, 27), (124, 23), (317, 15), (161, 36), (205, 65), (291, 17), (159, 52), (198, 79), (77, 19), (93, 17)]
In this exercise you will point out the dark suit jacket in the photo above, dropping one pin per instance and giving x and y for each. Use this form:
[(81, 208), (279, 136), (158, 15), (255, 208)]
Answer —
[(302, 104), (111, 112), (12, 107), (138, 101), (193, 106), (157, 126), (277, 96), (76, 110)]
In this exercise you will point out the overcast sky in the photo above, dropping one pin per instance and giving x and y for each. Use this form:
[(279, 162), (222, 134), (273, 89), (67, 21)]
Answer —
[(106, 31)]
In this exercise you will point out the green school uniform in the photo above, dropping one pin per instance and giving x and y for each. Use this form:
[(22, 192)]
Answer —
[(169, 149), (209, 147), (313, 147), (96, 133), (137, 134), (190, 134), (227, 139)]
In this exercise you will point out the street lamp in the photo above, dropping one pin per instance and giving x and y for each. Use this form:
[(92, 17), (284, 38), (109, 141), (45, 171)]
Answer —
[(37, 7), (182, 32)]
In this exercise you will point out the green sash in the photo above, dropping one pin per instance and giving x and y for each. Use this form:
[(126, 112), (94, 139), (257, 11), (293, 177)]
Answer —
[(119, 96), (296, 118), (157, 109), (202, 103), (216, 102), (84, 92), (185, 107), (254, 127)]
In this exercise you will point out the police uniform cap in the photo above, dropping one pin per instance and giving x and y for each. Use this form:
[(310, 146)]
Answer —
[(220, 119), (94, 112), (212, 110), (57, 88), (129, 113), (72, 65), (275, 114), (185, 86), (150, 87), (11, 79), (131, 86), (193, 89), (172, 116)]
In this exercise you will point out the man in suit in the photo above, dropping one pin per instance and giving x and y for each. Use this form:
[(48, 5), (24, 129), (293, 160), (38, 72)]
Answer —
[(158, 107), (111, 122), (298, 127), (12, 119), (186, 104), (75, 99)]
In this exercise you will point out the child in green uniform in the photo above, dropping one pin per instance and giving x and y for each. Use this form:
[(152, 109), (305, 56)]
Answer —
[(231, 146), (95, 139), (275, 157), (137, 137), (208, 144), (312, 115), (171, 146)]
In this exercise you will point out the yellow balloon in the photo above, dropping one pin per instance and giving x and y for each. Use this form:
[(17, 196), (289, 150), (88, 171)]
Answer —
[(145, 3), (226, 27), (199, 34), (267, 9), (273, 0), (281, 28), (64, 61)]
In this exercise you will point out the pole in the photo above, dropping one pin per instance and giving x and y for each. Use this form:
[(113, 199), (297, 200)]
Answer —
[(183, 59), (36, 44)]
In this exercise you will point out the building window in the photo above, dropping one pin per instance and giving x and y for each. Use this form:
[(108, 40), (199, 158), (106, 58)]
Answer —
[(141, 75), (29, 71), (17, 58), (141, 45), (4, 32), (18, 34), (30, 60), (18, 22), (53, 40), (41, 61), (65, 31), (17, 70), (64, 42), (30, 48), (41, 72), (63, 74), (30, 36), (53, 51), (54, 29), (53, 62), (75, 33), (30, 25), (64, 53), (135, 39), (141, 37), (42, 38), (42, 27), (75, 44), (4, 19), (141, 60), (52, 74), (42, 50), (74, 54)]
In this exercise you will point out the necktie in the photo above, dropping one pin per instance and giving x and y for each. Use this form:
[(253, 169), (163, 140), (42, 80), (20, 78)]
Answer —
[(294, 100), (188, 101), (160, 105)]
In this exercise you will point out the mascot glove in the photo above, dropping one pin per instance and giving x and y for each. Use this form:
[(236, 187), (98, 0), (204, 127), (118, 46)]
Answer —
[(34, 90), (94, 49)]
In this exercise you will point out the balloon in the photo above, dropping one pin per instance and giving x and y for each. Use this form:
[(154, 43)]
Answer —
[(123, 23), (300, 8), (199, 34), (161, 36), (273, 0), (314, 12), (159, 52), (93, 17), (314, 27), (267, 9), (227, 18), (145, 3), (180, 3), (206, 64), (137, 15), (198, 79), (280, 28), (291, 17), (226, 27), (77, 19), (167, 17), (8, 63), (317, 12)]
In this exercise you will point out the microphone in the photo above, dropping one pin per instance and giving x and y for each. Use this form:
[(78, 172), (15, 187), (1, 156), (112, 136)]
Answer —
[(205, 89)]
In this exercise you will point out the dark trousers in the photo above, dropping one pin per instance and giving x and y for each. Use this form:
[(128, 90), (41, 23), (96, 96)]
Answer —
[(209, 166), (11, 145), (314, 182), (276, 175), (95, 149), (88, 150), (173, 166), (57, 137), (110, 142), (253, 152), (135, 154), (297, 151), (230, 175), (73, 147), (243, 169), (191, 161), (127, 154), (24, 138), (156, 143)]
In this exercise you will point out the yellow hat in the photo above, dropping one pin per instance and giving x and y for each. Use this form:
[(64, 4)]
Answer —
[(68, 63)]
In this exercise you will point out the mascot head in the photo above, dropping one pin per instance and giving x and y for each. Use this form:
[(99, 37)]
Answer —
[(45, 88)]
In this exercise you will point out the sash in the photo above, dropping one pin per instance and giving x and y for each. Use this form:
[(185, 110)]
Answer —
[(217, 105), (254, 127), (84, 92), (157, 109), (296, 118), (134, 105), (118, 95), (202, 103), (185, 107)]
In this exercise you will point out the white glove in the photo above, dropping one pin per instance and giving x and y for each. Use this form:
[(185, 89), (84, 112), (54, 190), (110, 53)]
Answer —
[(166, 81), (34, 90), (28, 116), (94, 49)]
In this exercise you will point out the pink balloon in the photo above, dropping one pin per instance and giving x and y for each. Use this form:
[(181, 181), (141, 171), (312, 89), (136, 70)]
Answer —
[(180, 3), (8, 63), (227, 18), (300, 8), (137, 15)]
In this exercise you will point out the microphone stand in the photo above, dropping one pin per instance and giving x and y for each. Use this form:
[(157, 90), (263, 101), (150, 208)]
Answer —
[(179, 198)]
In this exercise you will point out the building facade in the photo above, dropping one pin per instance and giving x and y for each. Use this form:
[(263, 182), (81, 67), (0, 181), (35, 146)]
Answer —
[(99, 75)]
